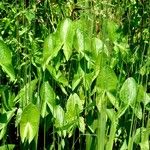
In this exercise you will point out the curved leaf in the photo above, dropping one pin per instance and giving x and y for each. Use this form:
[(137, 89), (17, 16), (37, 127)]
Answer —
[(6, 60), (66, 36), (29, 123), (52, 45), (128, 91), (48, 98)]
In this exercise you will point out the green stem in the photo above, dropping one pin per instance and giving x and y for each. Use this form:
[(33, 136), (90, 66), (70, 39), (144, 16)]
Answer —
[(111, 135)]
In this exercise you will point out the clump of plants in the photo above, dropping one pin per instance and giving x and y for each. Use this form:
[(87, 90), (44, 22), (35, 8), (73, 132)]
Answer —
[(79, 87)]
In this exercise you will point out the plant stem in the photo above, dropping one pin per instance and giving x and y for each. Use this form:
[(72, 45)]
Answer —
[(111, 135)]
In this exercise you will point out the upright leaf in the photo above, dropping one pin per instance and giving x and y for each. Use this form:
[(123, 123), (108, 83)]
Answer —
[(25, 95), (128, 91), (6, 60), (29, 123), (66, 36), (107, 79), (48, 98), (52, 45), (74, 107)]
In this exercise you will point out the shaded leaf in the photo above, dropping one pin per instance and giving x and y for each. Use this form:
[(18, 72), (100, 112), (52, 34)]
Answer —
[(48, 98), (7, 147), (6, 60)]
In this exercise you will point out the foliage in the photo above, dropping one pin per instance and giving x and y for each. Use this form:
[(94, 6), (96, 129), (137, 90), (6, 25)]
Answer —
[(74, 74)]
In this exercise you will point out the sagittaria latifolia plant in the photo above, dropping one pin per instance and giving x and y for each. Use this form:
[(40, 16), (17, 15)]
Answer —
[(77, 93)]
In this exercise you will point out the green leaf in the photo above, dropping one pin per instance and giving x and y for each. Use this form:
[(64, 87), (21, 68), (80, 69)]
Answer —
[(79, 43), (59, 116), (128, 91), (113, 100), (74, 107), (26, 93), (98, 46), (76, 80), (48, 98), (5, 119), (52, 45), (142, 96), (29, 123), (110, 29), (81, 124), (107, 79), (7, 147), (6, 60), (66, 36)]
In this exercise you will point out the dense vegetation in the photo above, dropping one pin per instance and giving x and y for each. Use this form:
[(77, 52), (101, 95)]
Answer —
[(74, 74)]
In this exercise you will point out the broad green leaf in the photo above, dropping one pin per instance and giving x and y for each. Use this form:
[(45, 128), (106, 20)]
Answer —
[(29, 123), (52, 45), (79, 42), (48, 98), (137, 111), (59, 116), (107, 79), (66, 35), (110, 29), (7, 147), (74, 107), (98, 46), (101, 61), (111, 114), (25, 95), (128, 91), (6, 60), (142, 96)]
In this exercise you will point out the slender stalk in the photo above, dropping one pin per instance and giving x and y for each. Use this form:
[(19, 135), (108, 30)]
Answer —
[(101, 124), (111, 135)]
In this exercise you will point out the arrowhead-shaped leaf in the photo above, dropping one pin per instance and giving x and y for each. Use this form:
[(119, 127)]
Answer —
[(29, 123)]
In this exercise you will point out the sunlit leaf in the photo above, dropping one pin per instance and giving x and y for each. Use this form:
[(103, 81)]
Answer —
[(107, 79), (52, 45), (74, 107), (66, 35), (81, 124), (128, 91), (59, 116), (29, 123)]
